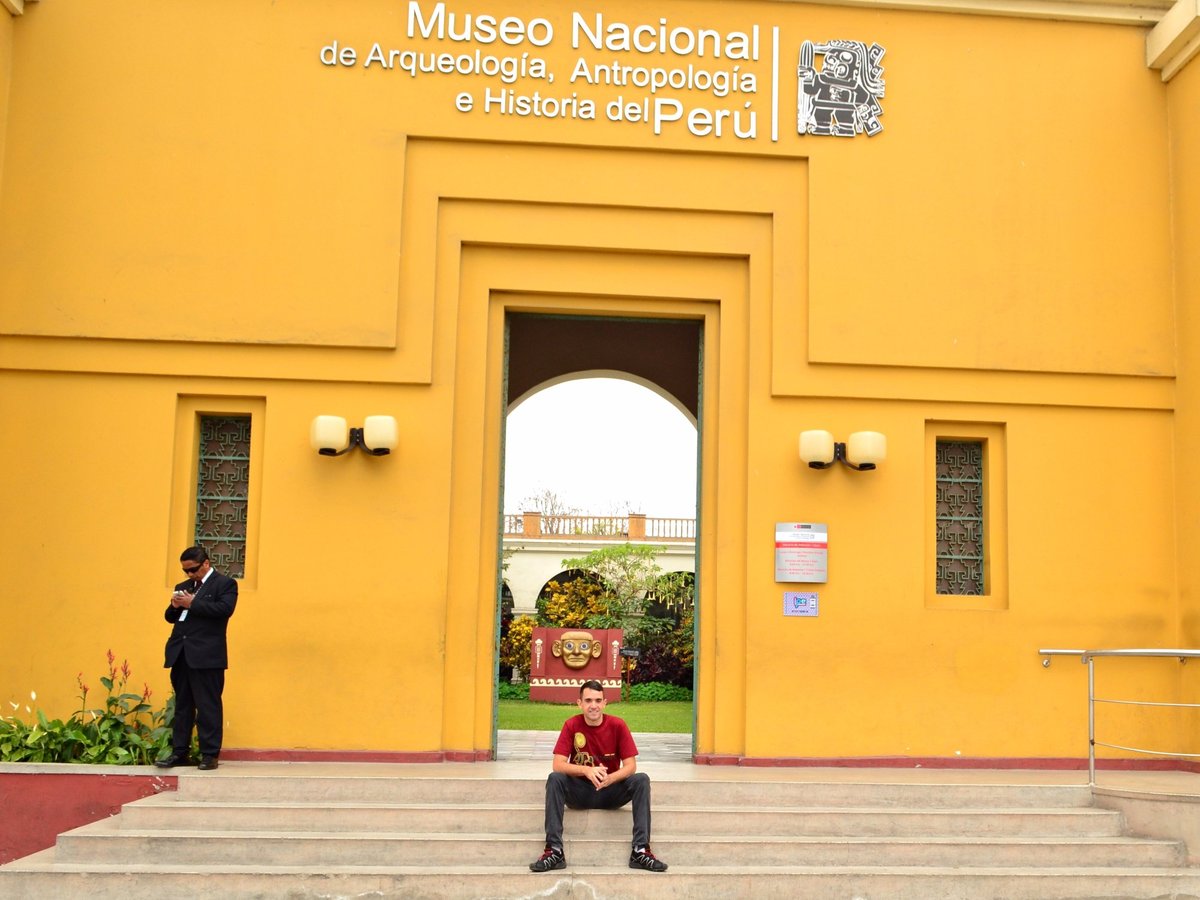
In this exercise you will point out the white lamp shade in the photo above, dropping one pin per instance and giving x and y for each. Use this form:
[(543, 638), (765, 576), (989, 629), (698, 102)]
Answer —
[(866, 447), (329, 433), (816, 446), (381, 432)]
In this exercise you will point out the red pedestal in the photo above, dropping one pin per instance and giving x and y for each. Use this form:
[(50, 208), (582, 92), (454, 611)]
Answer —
[(553, 678)]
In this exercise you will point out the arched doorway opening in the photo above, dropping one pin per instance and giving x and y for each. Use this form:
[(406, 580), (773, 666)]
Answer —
[(662, 356)]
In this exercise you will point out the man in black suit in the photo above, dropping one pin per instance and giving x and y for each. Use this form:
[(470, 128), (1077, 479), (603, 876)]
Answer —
[(197, 657)]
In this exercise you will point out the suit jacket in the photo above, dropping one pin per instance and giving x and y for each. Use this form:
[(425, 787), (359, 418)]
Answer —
[(199, 638)]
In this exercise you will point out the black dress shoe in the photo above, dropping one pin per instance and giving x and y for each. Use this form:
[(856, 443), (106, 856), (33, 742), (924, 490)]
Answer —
[(208, 763), (175, 759)]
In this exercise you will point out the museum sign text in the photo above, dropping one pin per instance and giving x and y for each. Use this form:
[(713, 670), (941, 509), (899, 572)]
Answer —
[(704, 82)]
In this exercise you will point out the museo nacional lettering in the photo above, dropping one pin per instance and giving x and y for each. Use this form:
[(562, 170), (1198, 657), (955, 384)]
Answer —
[(705, 82)]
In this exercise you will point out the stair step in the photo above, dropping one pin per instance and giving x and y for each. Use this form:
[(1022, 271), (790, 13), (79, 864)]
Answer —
[(241, 833), (237, 785), (105, 840), (136, 881), (167, 811)]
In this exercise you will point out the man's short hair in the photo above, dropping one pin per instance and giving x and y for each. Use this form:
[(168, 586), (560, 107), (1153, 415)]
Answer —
[(591, 685), (193, 554)]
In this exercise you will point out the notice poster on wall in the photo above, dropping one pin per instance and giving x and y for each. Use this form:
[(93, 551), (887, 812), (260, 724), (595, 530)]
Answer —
[(801, 552)]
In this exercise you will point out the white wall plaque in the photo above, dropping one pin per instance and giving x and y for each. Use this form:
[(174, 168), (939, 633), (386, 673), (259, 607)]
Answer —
[(801, 552)]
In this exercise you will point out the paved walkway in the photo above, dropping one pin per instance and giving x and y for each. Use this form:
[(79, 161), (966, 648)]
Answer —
[(539, 745)]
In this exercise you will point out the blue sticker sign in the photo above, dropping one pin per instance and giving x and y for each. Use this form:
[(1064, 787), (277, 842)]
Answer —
[(799, 603)]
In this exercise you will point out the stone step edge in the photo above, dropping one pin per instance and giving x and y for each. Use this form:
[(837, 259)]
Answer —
[(33, 864), (170, 800), (250, 793), (108, 828), (711, 776), (191, 775)]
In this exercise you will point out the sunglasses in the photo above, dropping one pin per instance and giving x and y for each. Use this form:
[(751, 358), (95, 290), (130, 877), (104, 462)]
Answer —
[(193, 570)]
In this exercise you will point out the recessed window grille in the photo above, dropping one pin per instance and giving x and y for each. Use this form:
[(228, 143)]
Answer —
[(960, 545), (223, 491)]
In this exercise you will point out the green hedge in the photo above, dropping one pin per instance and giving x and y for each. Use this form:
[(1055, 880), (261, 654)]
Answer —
[(651, 691), (657, 691), (509, 691)]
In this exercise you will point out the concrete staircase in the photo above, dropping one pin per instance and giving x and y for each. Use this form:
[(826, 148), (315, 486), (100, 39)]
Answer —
[(235, 833)]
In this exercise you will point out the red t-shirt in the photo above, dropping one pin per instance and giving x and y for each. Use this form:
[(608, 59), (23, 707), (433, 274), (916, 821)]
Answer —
[(604, 745)]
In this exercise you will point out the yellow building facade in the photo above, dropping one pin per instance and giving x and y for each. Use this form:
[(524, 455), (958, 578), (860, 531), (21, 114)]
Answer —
[(281, 210)]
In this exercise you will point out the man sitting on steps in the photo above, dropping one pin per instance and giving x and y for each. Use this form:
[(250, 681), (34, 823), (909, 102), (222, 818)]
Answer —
[(595, 767)]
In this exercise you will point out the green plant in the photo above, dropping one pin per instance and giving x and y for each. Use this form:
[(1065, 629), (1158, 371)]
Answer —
[(126, 730), (626, 572), (675, 590), (507, 691), (570, 604), (666, 650), (656, 691), (514, 646)]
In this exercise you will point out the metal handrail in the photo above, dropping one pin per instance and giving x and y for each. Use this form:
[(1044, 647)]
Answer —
[(1087, 654), (1088, 657)]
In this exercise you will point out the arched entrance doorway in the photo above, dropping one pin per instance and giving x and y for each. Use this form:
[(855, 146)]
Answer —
[(658, 356), (716, 293)]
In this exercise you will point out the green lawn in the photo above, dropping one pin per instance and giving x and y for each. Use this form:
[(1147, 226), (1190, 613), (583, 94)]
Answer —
[(663, 716)]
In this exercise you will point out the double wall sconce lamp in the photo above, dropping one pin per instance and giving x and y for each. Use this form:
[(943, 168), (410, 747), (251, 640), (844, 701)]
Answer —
[(862, 452), (378, 436)]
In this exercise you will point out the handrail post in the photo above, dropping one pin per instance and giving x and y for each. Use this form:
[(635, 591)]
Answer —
[(1089, 657), (1091, 664)]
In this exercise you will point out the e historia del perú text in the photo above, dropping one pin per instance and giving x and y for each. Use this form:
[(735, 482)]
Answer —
[(657, 74)]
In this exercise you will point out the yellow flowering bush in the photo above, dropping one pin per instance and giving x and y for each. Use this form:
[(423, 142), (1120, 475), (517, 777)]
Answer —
[(573, 604), (514, 646)]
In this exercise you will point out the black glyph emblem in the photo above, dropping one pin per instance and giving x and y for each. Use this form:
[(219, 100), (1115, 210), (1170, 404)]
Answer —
[(842, 96)]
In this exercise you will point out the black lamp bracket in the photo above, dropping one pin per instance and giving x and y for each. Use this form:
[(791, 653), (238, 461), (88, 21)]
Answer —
[(356, 440), (839, 455)]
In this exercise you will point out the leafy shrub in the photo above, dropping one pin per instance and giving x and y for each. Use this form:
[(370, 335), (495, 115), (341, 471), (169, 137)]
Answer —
[(514, 645), (126, 730), (508, 691), (657, 691), (666, 649), (658, 665), (626, 572), (673, 591), (572, 604)]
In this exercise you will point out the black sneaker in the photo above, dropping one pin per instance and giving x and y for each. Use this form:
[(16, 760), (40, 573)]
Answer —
[(644, 859), (551, 858)]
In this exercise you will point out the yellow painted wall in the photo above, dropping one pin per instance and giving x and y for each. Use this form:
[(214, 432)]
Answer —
[(326, 641), (196, 215), (1183, 94), (6, 48)]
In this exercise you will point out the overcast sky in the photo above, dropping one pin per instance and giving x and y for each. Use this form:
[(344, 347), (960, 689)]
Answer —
[(604, 446)]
